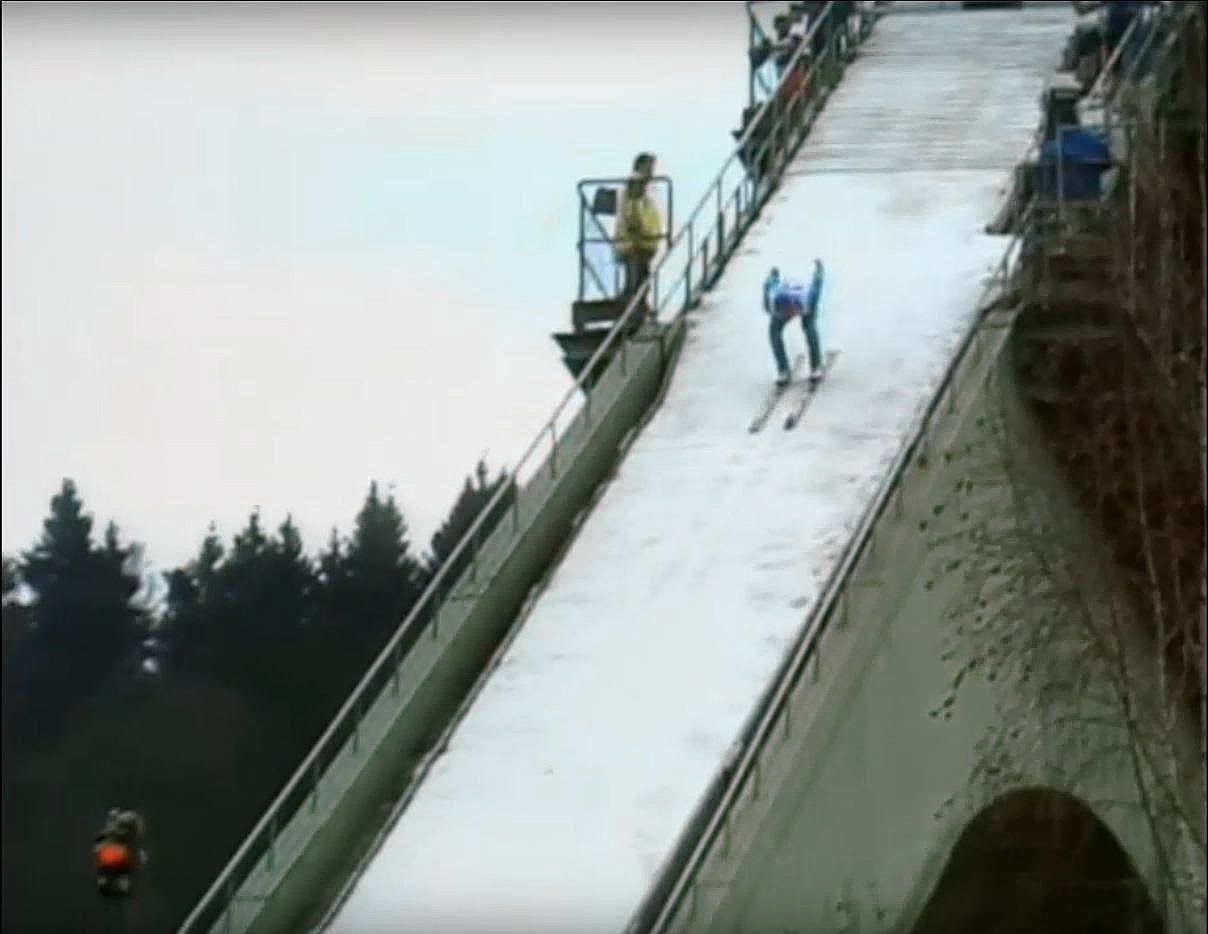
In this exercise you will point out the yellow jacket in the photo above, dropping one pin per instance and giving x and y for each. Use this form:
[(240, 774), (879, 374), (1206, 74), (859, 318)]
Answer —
[(639, 225)]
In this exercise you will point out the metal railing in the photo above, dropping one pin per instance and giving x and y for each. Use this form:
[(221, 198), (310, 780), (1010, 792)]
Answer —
[(709, 824), (1095, 97), (1106, 93), (1099, 105), (756, 35), (1099, 90), (1105, 101), (1160, 27), (592, 233), (693, 260), (748, 177)]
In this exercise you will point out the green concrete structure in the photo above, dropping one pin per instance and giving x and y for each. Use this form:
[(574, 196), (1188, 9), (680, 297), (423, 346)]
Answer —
[(297, 876), (873, 766)]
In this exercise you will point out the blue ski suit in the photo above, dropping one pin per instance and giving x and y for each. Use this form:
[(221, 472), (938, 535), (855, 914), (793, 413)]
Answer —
[(783, 300)]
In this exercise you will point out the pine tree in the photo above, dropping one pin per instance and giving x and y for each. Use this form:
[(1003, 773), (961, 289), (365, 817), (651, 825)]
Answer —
[(236, 618), (331, 566), (64, 548), (12, 577), (85, 624), (323, 649), (16, 634), (475, 495), (375, 585), (291, 579), (194, 604), (332, 590)]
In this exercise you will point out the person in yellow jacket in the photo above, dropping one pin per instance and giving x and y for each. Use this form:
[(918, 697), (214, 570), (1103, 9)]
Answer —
[(639, 226)]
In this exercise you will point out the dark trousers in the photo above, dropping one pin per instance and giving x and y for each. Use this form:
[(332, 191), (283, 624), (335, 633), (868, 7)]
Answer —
[(637, 269), (809, 324)]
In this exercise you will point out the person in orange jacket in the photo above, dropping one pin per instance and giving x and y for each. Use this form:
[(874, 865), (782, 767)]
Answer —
[(118, 852)]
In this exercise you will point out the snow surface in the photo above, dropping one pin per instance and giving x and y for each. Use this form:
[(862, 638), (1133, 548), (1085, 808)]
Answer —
[(567, 782)]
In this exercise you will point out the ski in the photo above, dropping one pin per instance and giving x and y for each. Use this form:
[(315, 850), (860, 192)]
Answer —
[(807, 394), (774, 394)]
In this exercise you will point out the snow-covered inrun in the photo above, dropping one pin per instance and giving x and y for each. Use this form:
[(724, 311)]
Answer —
[(567, 782)]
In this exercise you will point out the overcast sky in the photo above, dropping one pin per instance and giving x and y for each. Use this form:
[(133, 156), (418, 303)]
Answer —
[(261, 257)]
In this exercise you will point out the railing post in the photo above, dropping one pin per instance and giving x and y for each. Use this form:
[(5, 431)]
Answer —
[(721, 224), (270, 856), (230, 906), (736, 227), (688, 267), (314, 782)]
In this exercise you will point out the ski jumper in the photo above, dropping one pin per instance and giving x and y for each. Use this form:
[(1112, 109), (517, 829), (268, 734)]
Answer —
[(785, 300)]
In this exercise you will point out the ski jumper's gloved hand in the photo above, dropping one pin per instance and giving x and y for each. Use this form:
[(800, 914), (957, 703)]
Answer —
[(815, 290), (770, 284)]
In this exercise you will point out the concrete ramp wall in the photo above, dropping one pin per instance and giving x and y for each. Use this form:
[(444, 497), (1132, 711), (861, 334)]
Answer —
[(877, 763)]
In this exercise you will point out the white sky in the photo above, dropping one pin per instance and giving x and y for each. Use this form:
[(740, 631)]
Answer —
[(565, 786), (262, 259)]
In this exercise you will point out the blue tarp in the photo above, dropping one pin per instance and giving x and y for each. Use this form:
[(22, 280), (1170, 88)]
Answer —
[(1084, 157), (1078, 146)]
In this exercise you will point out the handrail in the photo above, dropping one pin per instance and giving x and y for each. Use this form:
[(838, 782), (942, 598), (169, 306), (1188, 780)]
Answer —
[(603, 236), (1094, 94), (1105, 100), (774, 144), (704, 827), (753, 28), (583, 241), (1098, 89), (1159, 22), (1100, 94), (307, 776)]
